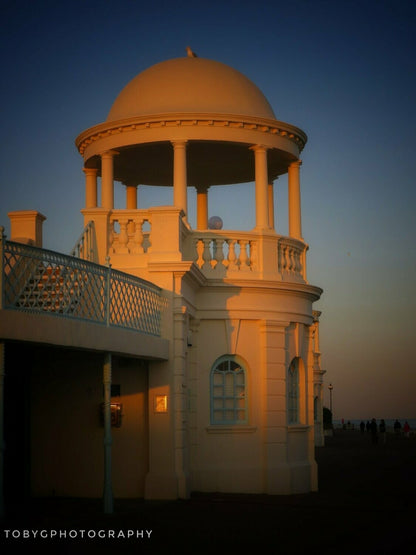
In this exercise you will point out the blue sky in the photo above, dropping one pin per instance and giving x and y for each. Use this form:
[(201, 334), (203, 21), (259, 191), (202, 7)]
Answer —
[(343, 71)]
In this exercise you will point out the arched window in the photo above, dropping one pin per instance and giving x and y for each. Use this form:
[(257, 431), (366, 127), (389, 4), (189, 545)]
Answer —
[(228, 392), (293, 392)]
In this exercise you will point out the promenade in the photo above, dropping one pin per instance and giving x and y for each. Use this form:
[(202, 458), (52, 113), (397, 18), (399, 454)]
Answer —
[(366, 504)]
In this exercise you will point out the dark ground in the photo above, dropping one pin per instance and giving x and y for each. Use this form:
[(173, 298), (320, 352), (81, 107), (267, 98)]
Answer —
[(366, 505)]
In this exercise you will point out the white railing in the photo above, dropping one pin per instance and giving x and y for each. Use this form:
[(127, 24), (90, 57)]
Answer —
[(291, 258), (217, 251), (86, 245), (223, 253), (129, 232), (38, 280)]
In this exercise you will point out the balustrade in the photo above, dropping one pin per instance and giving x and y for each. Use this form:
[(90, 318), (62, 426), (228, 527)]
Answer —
[(222, 253), (129, 232), (291, 257), (218, 252)]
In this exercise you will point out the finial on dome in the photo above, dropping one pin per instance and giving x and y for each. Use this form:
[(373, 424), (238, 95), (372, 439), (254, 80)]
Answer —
[(190, 53)]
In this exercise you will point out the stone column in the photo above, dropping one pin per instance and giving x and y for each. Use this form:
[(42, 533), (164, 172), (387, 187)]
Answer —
[(271, 204), (180, 199), (108, 490), (202, 207), (107, 179), (90, 187), (262, 182), (131, 196), (295, 223), (131, 204)]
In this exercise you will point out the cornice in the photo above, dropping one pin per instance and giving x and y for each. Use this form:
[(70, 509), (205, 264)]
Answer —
[(267, 286), (244, 123)]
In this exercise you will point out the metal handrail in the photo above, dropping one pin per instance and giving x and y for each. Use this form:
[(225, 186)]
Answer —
[(86, 245), (37, 280)]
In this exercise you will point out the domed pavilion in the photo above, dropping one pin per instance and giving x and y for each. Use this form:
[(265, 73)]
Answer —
[(237, 407)]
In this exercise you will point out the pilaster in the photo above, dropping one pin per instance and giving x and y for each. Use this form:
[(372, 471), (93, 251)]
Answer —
[(273, 394)]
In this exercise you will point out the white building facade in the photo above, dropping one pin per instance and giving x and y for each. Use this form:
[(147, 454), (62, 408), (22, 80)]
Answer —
[(236, 403)]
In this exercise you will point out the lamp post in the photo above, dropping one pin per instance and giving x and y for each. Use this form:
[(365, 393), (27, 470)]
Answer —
[(330, 387)]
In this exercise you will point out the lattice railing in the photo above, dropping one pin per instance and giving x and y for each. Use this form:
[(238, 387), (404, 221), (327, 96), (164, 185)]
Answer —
[(38, 280)]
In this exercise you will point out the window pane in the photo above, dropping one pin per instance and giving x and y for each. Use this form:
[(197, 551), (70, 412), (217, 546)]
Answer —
[(228, 392)]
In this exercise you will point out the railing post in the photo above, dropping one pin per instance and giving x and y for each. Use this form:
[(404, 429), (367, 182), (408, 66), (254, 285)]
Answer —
[(107, 292)]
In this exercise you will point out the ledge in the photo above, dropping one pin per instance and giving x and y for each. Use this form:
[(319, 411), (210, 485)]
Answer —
[(237, 429), (298, 427)]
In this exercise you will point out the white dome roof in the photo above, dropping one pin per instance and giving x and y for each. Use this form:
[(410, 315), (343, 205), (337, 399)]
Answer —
[(190, 85)]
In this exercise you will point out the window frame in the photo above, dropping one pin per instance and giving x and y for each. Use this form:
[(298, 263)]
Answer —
[(228, 403)]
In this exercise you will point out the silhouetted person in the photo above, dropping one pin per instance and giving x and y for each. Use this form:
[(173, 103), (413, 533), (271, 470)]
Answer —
[(406, 429), (397, 428), (382, 429), (373, 429), (368, 426), (362, 426)]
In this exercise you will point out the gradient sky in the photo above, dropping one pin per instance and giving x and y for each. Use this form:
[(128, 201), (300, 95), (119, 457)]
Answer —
[(343, 71)]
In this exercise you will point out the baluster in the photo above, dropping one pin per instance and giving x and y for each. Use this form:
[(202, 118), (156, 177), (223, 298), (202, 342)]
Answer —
[(199, 248), (284, 258), (279, 257), (292, 260), (243, 255), (206, 254), (297, 261), (123, 237), (232, 257), (218, 252), (137, 247), (254, 259), (147, 239), (111, 237), (288, 261)]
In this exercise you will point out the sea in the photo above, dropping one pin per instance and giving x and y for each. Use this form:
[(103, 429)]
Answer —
[(355, 424)]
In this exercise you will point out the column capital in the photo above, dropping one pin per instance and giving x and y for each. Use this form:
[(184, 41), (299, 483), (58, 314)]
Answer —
[(90, 171), (259, 147), (109, 153), (179, 142), (296, 163)]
